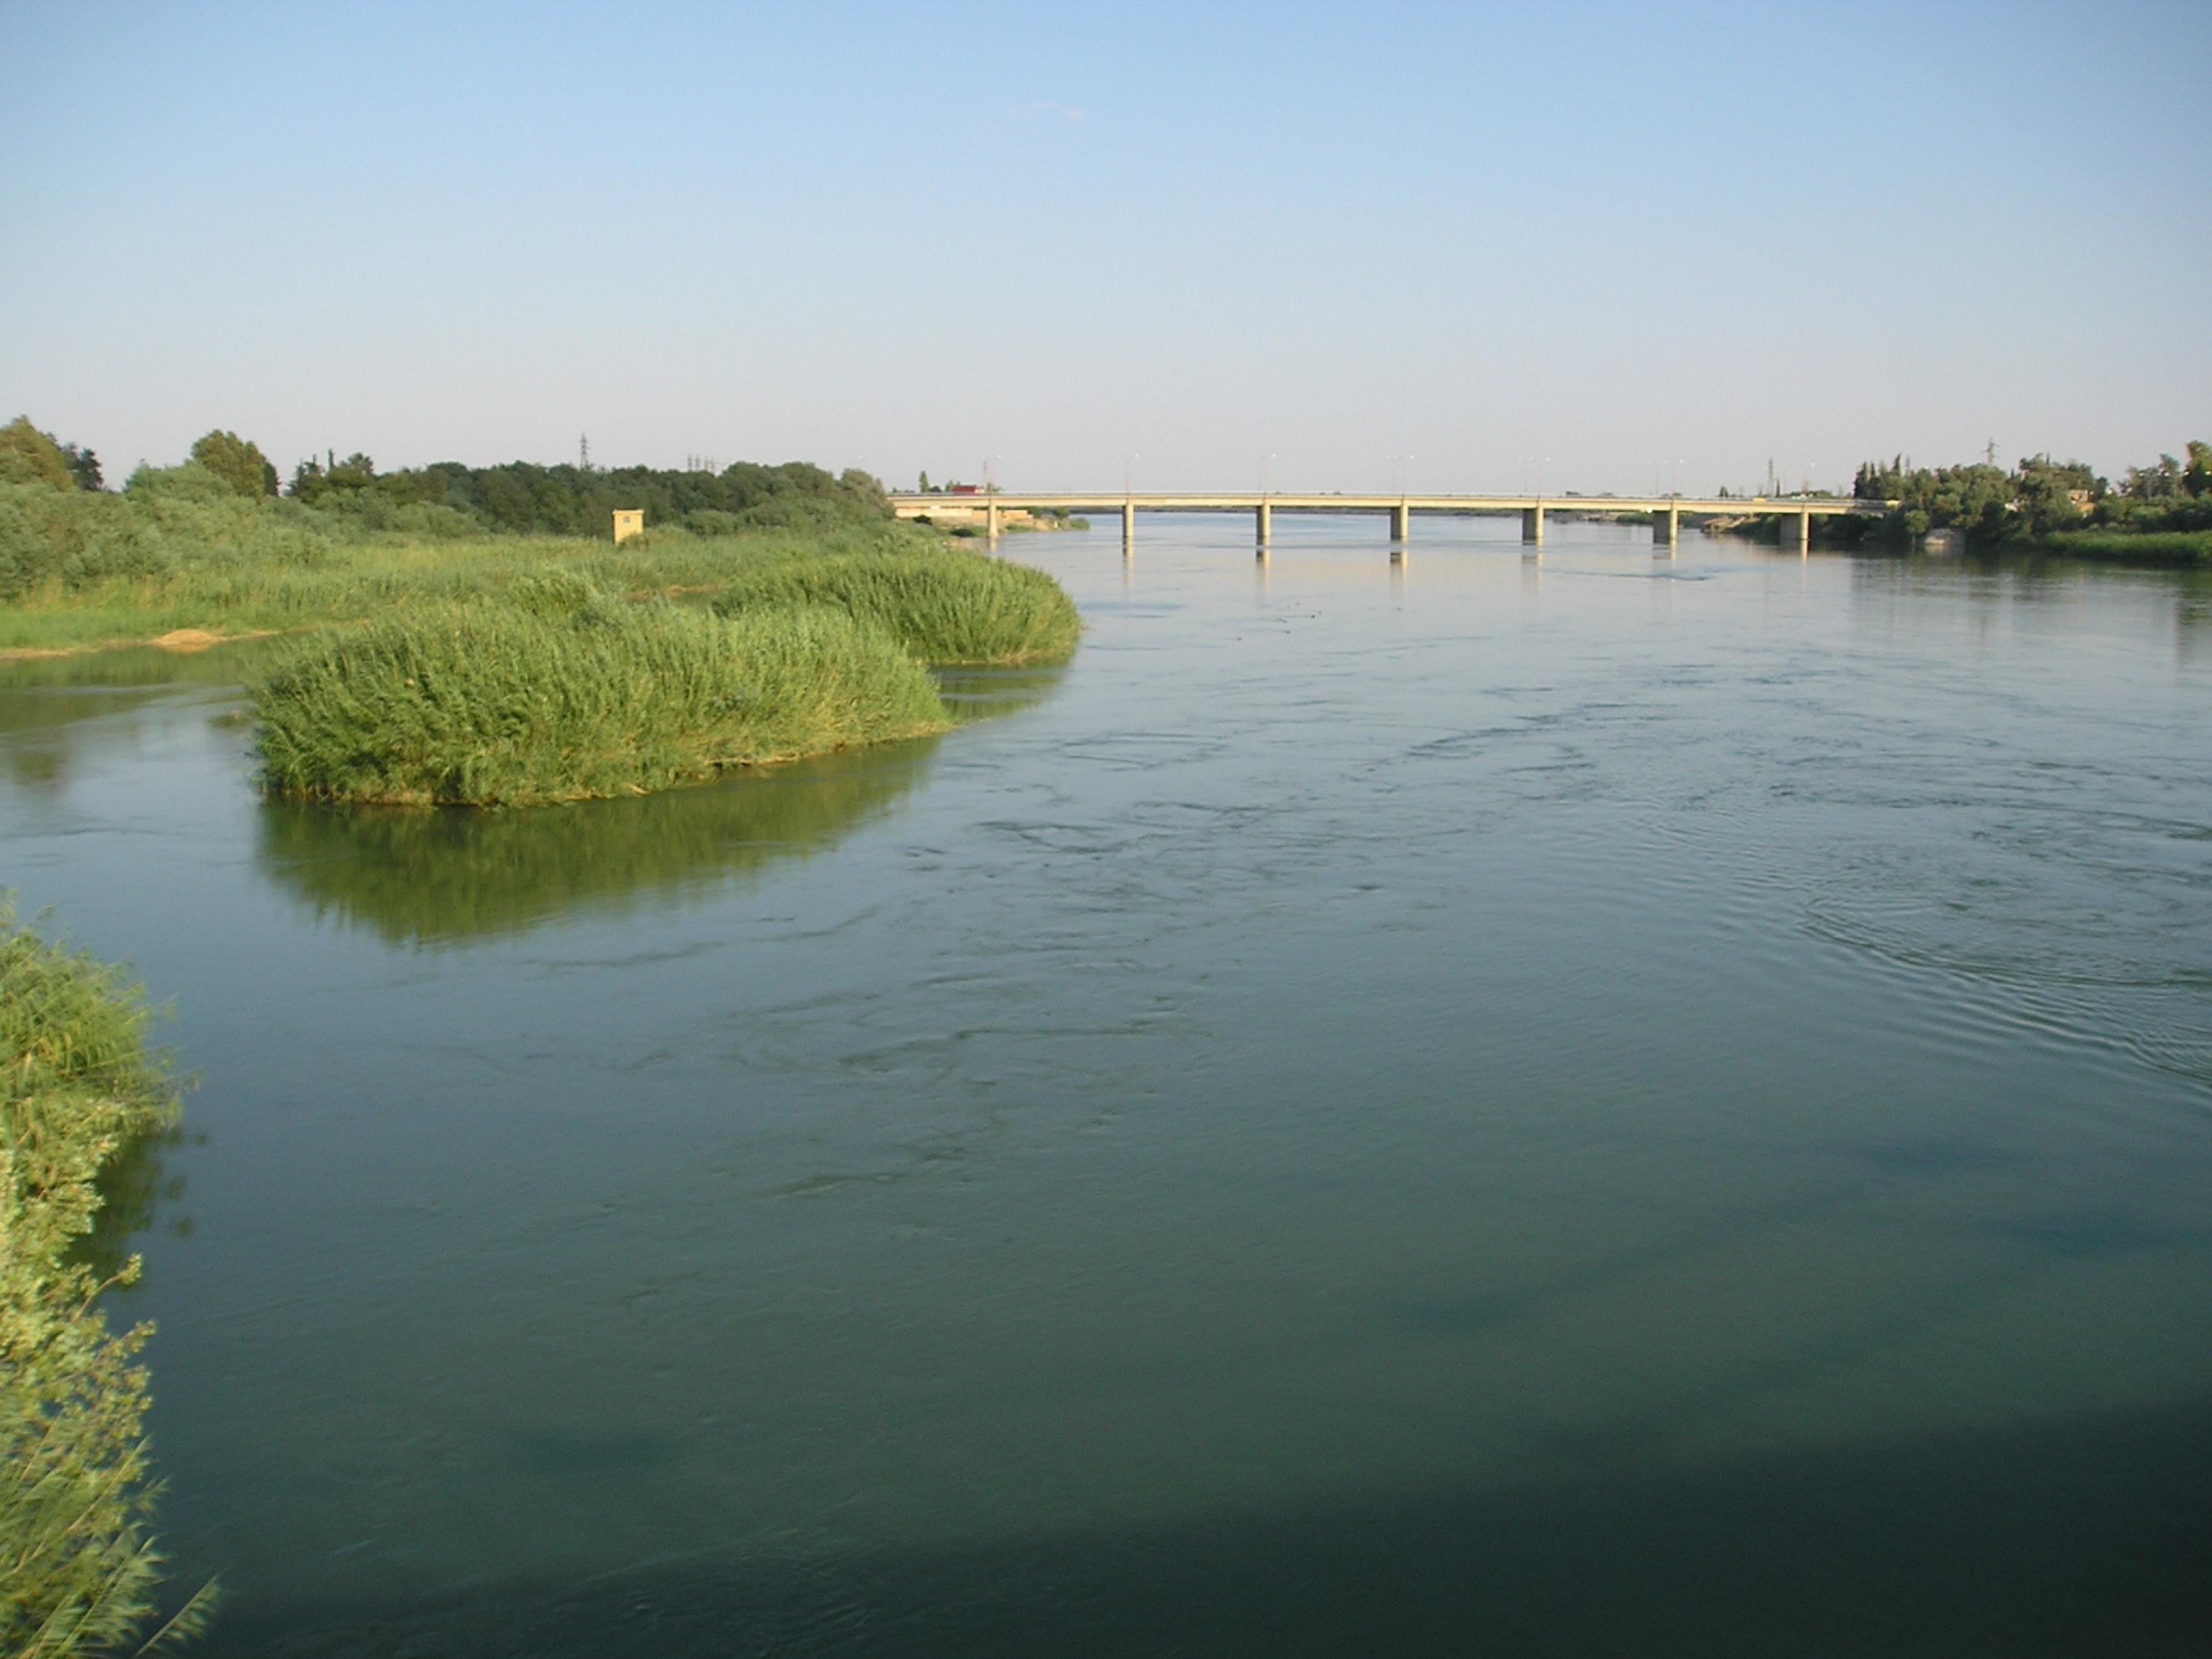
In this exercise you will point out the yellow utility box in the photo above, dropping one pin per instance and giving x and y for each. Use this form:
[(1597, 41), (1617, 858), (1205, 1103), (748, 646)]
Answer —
[(628, 522)]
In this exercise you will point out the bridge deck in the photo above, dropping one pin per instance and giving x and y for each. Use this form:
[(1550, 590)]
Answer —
[(911, 504)]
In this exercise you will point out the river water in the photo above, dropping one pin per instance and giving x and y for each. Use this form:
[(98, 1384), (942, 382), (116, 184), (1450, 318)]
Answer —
[(1599, 1106)]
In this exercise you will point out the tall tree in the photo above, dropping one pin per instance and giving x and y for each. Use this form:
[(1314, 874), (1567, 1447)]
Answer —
[(30, 456), (238, 462), (84, 466)]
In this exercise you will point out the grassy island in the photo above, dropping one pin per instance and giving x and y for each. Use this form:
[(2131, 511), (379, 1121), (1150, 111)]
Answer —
[(77, 1092), (561, 693)]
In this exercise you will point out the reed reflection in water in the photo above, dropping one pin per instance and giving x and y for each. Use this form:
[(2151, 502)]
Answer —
[(419, 875), (427, 876)]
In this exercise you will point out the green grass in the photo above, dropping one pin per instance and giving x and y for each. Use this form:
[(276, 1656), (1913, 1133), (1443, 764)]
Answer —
[(2162, 546), (945, 606), (560, 693), (78, 1093), (231, 590)]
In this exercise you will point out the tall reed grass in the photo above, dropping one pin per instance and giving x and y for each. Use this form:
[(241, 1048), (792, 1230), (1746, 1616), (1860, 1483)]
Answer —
[(79, 1571), (946, 605), (2136, 547), (561, 693)]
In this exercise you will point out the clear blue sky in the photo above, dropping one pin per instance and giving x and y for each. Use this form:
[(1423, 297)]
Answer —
[(1615, 236)]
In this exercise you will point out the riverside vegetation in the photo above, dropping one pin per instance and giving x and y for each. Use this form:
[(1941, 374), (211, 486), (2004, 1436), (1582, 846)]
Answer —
[(79, 1094), (466, 647), (2158, 514)]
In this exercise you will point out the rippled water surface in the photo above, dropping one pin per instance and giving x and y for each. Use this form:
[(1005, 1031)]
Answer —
[(1601, 1106)]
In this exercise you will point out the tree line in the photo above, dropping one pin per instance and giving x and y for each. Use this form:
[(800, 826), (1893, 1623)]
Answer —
[(2041, 498), (520, 498)]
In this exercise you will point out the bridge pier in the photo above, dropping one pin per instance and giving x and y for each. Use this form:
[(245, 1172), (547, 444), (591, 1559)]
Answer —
[(1666, 529), (1263, 523), (1128, 525), (1798, 533), (991, 521), (1532, 524), (1401, 520)]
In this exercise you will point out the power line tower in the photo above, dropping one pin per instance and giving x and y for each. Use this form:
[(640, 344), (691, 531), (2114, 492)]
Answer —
[(584, 451)]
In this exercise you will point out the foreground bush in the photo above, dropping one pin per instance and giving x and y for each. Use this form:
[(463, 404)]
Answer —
[(78, 1570), (945, 606), (560, 693)]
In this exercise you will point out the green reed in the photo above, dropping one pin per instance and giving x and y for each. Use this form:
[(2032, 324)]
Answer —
[(79, 1572), (946, 605), (561, 692)]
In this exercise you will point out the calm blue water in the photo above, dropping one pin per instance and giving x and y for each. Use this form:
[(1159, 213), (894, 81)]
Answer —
[(1598, 1106)]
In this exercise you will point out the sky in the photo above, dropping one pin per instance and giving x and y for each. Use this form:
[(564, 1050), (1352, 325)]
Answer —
[(1570, 246)]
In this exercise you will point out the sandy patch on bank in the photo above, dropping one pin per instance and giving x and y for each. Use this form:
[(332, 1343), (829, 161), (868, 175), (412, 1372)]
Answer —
[(177, 639), (188, 639)]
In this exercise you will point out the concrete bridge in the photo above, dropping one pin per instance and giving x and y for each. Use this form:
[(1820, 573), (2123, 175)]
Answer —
[(1795, 512)]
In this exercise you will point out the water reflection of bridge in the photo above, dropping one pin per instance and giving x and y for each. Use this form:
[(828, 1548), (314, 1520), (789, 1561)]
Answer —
[(1796, 513)]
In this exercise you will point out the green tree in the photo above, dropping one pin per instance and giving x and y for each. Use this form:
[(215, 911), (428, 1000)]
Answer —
[(84, 466), (238, 462), (30, 456), (2196, 477), (2048, 492)]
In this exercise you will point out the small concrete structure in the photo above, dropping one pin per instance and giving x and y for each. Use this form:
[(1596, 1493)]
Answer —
[(628, 522)]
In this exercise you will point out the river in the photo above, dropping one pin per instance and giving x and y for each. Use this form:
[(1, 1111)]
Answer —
[(1602, 1104)]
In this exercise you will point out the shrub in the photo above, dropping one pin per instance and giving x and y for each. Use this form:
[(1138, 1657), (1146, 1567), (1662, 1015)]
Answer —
[(30, 456), (712, 521), (127, 548), (28, 552), (497, 703), (944, 606)]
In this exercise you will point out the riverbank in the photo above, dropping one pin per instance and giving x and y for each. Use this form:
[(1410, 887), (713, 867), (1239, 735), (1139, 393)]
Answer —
[(2162, 549), (77, 1092), (506, 670), (2135, 547)]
